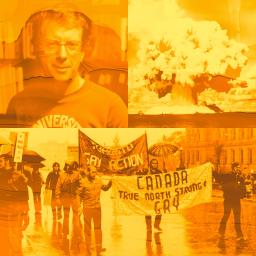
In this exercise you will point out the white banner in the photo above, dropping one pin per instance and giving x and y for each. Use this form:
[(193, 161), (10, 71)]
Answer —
[(19, 145), (162, 193)]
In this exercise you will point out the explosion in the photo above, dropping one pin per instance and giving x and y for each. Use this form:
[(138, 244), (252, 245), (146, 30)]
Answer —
[(175, 51)]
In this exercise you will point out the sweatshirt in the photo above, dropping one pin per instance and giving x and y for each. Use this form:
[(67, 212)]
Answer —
[(90, 106)]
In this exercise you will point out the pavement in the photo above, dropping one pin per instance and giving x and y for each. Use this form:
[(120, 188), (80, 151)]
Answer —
[(190, 232)]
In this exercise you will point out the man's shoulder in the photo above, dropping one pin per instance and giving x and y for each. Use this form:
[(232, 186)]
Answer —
[(33, 88), (101, 90), (50, 174)]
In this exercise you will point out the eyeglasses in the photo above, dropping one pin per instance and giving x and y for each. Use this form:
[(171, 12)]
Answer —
[(53, 46)]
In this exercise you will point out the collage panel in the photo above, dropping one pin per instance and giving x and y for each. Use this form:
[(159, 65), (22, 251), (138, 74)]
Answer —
[(151, 191), (181, 180), (191, 63), (63, 64)]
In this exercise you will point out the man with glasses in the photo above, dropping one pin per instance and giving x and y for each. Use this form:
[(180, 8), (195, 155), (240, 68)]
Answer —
[(61, 97)]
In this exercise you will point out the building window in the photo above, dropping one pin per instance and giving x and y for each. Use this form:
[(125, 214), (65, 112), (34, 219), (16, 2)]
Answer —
[(233, 155), (249, 156), (197, 156), (241, 156), (242, 133), (192, 157), (250, 133), (225, 157), (188, 157)]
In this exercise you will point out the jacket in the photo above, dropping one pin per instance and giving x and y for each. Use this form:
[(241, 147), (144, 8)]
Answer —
[(67, 185), (90, 190), (36, 181), (51, 180), (233, 186)]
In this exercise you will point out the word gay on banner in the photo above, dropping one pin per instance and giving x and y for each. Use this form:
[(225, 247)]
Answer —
[(162, 193), (123, 160)]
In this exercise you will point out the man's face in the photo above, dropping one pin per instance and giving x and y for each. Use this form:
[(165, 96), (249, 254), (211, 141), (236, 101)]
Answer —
[(61, 50), (2, 163), (56, 168), (92, 172), (154, 164)]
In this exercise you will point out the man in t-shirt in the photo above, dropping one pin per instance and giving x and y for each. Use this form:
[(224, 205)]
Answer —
[(62, 97)]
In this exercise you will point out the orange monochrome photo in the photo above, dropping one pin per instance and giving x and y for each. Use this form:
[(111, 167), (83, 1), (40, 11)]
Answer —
[(127, 127), (64, 66)]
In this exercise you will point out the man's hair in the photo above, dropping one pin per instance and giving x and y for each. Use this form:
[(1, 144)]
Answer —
[(152, 160), (55, 164), (67, 167), (66, 17)]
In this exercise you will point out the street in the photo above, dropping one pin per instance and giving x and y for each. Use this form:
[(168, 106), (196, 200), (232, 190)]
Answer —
[(191, 232)]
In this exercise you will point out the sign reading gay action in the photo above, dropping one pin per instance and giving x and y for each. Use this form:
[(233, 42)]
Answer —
[(162, 193), (124, 160)]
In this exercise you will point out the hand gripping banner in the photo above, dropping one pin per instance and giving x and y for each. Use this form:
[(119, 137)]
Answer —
[(125, 160), (162, 193)]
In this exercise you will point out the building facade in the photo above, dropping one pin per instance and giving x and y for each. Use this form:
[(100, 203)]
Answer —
[(221, 146)]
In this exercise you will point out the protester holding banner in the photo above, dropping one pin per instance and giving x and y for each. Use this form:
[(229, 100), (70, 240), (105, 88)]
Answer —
[(51, 182), (233, 190), (153, 165), (67, 194), (89, 191), (13, 207)]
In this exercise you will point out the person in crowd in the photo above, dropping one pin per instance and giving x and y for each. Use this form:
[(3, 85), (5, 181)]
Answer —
[(50, 184), (233, 186), (67, 195), (153, 169), (14, 216), (61, 97), (36, 182), (90, 191)]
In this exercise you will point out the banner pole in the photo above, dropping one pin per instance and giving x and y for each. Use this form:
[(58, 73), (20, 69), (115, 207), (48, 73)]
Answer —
[(79, 162), (147, 147)]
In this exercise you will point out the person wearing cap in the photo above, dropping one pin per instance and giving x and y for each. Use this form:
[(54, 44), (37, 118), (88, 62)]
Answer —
[(89, 191), (61, 97), (233, 186), (50, 184)]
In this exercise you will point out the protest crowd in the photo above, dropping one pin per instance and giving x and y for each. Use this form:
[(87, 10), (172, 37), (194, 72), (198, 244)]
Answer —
[(73, 191)]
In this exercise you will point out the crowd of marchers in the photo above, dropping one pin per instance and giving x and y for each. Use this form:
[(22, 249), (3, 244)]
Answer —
[(72, 187), (78, 188)]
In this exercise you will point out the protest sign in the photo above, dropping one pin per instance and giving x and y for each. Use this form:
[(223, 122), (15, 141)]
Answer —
[(162, 193), (123, 160), (19, 145)]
